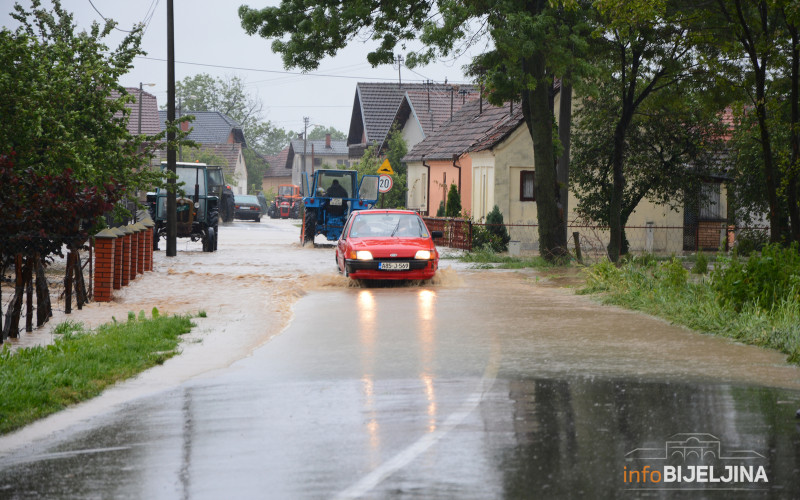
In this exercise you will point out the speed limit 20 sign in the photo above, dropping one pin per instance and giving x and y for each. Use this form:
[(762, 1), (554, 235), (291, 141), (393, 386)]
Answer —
[(385, 183)]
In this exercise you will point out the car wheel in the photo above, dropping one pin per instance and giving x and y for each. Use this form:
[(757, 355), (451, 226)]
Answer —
[(258, 219)]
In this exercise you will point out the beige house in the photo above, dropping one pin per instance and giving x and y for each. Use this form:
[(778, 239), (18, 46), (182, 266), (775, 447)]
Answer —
[(499, 169)]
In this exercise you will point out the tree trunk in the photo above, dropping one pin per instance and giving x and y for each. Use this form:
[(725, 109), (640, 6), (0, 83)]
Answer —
[(539, 119), (791, 188), (11, 327), (617, 187), (80, 284), (44, 309), (68, 285), (564, 135), (28, 294)]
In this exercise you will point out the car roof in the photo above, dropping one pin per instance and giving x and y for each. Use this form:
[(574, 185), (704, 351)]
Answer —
[(386, 211)]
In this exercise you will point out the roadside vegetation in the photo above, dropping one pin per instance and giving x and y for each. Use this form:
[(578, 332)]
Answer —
[(487, 259), (754, 300), (38, 381)]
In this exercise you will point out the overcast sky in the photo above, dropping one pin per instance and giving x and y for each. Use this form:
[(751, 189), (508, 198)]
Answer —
[(209, 39)]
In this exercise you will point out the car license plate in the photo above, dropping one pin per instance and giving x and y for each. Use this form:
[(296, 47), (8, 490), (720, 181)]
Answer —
[(336, 201), (394, 266)]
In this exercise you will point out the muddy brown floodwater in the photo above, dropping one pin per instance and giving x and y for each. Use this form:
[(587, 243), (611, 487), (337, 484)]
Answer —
[(504, 382)]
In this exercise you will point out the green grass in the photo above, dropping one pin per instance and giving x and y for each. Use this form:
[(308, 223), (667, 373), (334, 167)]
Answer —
[(486, 259), (38, 381), (664, 290)]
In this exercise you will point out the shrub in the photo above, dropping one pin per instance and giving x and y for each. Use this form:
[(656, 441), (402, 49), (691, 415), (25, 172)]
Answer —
[(672, 273), (701, 264), (762, 280), (750, 240), (453, 208), (494, 224), (440, 211)]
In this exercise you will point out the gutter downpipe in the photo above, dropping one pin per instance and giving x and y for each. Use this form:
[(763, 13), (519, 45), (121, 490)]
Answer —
[(428, 193), (455, 159)]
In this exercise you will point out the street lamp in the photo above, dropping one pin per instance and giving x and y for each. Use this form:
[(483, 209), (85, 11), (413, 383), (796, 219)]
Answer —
[(139, 131)]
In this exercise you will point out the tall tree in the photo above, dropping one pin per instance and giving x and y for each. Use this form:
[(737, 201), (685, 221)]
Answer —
[(529, 51), (744, 40), (65, 151), (645, 123)]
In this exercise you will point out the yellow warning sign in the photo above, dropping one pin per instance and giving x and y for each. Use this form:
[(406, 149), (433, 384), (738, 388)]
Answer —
[(386, 168)]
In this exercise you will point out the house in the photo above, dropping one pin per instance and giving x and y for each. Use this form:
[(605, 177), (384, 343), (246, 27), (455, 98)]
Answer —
[(415, 109), (442, 159), (220, 135), (144, 122), (488, 152), (308, 156), (279, 171)]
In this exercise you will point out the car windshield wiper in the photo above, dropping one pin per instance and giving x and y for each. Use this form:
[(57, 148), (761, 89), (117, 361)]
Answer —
[(395, 228)]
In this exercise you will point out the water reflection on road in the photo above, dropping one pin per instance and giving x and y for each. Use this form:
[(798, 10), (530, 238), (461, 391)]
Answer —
[(491, 386)]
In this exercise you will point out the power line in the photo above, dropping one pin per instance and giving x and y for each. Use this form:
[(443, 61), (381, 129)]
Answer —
[(106, 20), (260, 70)]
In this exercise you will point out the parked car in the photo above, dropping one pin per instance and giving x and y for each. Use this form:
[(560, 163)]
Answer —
[(387, 245), (246, 206)]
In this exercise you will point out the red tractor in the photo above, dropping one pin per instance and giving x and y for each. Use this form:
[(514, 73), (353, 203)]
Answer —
[(287, 204)]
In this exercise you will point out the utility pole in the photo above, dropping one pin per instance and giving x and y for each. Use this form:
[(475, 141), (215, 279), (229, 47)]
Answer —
[(172, 205), (399, 61), (305, 142)]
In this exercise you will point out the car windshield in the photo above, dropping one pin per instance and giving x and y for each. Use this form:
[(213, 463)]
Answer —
[(245, 198), (388, 226), (285, 190)]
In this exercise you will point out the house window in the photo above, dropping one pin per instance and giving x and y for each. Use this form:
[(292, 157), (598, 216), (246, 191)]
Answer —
[(317, 162), (340, 162), (526, 192), (710, 202)]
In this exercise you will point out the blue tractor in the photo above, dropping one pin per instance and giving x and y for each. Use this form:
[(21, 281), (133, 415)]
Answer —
[(331, 198)]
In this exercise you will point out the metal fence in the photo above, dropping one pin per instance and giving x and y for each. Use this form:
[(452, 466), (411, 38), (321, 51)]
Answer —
[(710, 235)]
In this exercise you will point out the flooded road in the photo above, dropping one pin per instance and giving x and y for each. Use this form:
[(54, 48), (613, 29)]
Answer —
[(483, 384)]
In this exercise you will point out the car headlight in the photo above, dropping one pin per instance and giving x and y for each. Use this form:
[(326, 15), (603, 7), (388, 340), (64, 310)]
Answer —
[(423, 255), (364, 255)]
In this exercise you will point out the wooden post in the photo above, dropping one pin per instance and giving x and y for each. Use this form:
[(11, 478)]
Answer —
[(44, 309), (28, 295), (68, 285), (576, 237)]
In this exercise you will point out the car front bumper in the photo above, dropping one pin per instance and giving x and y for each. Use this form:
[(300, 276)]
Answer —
[(369, 269)]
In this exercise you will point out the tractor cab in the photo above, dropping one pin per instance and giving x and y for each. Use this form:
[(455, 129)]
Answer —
[(331, 197)]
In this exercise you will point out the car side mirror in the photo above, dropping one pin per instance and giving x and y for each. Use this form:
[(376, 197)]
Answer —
[(437, 234)]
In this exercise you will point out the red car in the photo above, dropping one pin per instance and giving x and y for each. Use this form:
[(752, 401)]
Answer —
[(387, 245)]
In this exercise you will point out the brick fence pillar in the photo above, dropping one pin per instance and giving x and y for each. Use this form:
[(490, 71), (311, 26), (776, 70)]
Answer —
[(148, 223), (134, 252), (141, 234), (105, 245), (118, 248), (126, 255)]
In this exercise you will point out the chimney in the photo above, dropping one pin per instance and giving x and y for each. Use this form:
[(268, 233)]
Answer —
[(185, 126), (328, 141)]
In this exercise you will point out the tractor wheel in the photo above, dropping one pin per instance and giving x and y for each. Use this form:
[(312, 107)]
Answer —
[(216, 238), (309, 227), (208, 239)]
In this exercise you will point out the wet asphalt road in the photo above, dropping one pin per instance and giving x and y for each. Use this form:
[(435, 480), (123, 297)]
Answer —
[(493, 387)]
